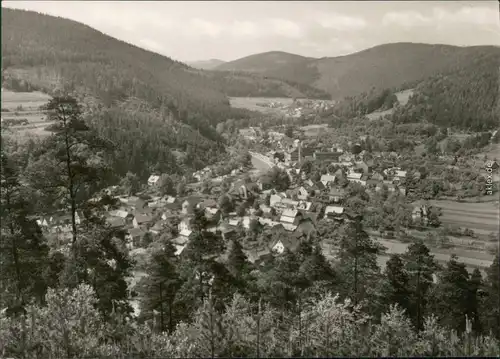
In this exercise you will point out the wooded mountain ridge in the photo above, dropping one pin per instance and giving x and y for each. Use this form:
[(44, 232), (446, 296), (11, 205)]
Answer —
[(383, 66)]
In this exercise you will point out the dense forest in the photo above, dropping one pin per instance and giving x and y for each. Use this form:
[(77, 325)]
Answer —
[(383, 66), (465, 98), (53, 51), (145, 103)]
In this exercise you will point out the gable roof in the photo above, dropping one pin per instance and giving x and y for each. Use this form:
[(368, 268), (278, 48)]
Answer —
[(208, 203), (327, 178), (337, 191), (354, 175), (334, 209), (289, 242), (136, 232), (153, 178), (142, 218), (118, 213), (304, 205), (115, 222), (290, 213)]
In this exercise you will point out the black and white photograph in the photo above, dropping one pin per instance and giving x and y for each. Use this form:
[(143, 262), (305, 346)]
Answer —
[(249, 179)]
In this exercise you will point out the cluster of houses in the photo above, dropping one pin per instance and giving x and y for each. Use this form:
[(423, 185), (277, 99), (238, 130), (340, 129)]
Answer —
[(294, 212)]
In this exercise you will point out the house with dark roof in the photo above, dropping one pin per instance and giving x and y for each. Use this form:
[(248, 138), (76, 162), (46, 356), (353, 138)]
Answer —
[(305, 228), (420, 212), (116, 222), (363, 166), (326, 156), (244, 190), (142, 220), (337, 194), (377, 176), (135, 236)]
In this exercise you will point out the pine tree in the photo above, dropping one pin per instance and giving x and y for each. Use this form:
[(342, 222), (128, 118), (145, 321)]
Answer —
[(72, 166), (420, 266), (23, 248), (130, 183), (159, 289), (358, 260), (476, 292), (237, 261), (492, 302), (396, 285), (452, 295)]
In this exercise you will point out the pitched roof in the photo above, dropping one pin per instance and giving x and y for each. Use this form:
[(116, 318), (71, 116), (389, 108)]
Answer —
[(142, 218), (289, 242), (288, 217), (337, 191), (116, 222), (170, 199), (136, 232), (207, 203), (334, 209), (304, 205), (327, 178), (290, 202), (354, 175), (153, 178)]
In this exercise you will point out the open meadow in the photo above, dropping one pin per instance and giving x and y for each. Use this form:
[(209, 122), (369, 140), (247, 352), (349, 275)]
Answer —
[(403, 97), (252, 103), (482, 218), (22, 115)]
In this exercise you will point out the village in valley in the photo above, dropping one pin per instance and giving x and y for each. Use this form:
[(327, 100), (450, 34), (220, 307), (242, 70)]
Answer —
[(247, 179), (293, 189)]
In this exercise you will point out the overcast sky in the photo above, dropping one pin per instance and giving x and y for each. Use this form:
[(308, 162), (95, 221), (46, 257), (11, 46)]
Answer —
[(190, 31)]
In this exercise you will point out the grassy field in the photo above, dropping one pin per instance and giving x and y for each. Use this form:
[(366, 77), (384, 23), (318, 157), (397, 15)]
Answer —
[(28, 100), (314, 130), (403, 97), (482, 218), (24, 106), (250, 103)]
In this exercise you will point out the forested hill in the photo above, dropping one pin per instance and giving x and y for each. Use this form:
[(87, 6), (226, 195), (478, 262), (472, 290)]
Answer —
[(50, 51), (466, 96), (180, 105), (384, 66), (265, 62)]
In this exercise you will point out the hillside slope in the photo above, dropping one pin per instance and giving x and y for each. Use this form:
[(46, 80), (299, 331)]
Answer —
[(466, 97), (53, 52), (384, 66)]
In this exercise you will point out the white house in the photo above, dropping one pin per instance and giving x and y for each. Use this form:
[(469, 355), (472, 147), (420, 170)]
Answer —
[(333, 211), (327, 180), (154, 180), (304, 205), (290, 216), (184, 228)]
